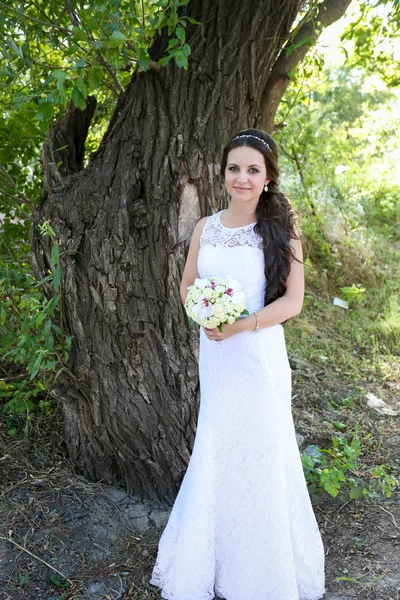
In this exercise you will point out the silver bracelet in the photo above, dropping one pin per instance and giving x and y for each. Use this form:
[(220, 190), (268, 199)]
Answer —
[(257, 329)]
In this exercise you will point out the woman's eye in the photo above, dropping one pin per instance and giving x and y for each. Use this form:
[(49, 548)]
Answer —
[(251, 170)]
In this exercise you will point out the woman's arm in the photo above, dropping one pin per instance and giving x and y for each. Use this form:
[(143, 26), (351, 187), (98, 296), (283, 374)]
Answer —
[(289, 305), (190, 271)]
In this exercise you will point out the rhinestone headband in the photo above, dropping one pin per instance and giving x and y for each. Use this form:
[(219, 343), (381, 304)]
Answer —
[(252, 136)]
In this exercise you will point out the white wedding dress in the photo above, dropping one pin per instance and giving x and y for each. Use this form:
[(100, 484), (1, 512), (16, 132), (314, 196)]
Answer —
[(242, 526)]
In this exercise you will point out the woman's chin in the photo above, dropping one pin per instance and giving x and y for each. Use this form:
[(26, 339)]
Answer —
[(240, 196)]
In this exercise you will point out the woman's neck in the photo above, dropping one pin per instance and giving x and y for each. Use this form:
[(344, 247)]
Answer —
[(240, 214)]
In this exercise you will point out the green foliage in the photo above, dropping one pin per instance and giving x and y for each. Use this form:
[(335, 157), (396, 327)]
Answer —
[(20, 140), (330, 156), (360, 344), (375, 38), (54, 52), (382, 207), (32, 344), (338, 131), (333, 469), (58, 582), (339, 162), (23, 579), (352, 293)]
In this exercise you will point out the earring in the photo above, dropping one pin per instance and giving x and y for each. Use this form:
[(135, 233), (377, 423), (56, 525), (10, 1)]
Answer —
[(266, 187)]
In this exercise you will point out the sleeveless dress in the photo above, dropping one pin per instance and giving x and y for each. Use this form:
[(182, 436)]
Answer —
[(242, 526)]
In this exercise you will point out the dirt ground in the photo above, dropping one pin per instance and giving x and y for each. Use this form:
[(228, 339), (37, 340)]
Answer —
[(64, 538)]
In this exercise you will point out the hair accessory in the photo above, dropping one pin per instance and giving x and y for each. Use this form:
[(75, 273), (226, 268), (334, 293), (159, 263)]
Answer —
[(245, 135), (266, 187), (257, 329)]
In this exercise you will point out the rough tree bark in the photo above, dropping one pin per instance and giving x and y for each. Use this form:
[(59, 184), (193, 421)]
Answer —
[(130, 395)]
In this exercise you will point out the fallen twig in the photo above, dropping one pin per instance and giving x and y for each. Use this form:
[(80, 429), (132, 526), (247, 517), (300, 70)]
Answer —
[(389, 513), (37, 557), (12, 487), (343, 505)]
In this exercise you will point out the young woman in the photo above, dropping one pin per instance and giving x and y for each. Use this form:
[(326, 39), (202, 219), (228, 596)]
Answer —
[(242, 525)]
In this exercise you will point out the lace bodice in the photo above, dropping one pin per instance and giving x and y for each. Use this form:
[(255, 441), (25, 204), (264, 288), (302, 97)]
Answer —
[(240, 253), (216, 234)]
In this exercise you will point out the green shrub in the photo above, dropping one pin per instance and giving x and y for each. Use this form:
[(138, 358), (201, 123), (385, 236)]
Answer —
[(33, 347), (332, 469)]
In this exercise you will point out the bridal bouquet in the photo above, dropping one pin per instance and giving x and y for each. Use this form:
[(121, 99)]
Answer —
[(215, 301)]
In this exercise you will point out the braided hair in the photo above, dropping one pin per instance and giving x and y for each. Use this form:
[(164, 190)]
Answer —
[(277, 221)]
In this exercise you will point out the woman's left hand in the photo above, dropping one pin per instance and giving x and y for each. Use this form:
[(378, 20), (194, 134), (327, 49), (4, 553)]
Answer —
[(227, 331)]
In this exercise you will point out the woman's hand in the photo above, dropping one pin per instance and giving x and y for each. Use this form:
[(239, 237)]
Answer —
[(227, 331)]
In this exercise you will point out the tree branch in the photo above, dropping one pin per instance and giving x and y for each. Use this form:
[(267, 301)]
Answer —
[(64, 146), (73, 17), (115, 86), (29, 18), (309, 29)]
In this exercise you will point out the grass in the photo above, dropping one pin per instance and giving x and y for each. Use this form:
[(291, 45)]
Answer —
[(362, 342)]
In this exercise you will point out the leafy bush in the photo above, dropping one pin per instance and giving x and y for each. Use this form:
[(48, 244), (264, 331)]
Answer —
[(34, 348), (352, 293), (381, 206), (337, 467)]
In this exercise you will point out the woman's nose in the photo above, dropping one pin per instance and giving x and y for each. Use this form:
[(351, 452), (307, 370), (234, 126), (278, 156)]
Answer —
[(242, 176)]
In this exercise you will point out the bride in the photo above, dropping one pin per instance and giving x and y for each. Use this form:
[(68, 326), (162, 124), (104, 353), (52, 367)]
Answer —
[(242, 526)]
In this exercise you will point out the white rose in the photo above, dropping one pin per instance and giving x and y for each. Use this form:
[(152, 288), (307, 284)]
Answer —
[(238, 308), (212, 323), (196, 295), (219, 312)]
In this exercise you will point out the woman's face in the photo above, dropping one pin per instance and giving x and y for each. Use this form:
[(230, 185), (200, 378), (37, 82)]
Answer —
[(245, 174)]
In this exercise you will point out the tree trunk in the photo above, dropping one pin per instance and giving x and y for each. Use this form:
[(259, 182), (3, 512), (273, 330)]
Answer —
[(130, 395)]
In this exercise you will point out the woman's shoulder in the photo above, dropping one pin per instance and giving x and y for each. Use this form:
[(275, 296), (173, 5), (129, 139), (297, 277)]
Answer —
[(202, 222), (199, 228), (205, 228)]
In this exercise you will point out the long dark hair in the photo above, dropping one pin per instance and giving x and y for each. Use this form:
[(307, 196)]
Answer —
[(277, 222)]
